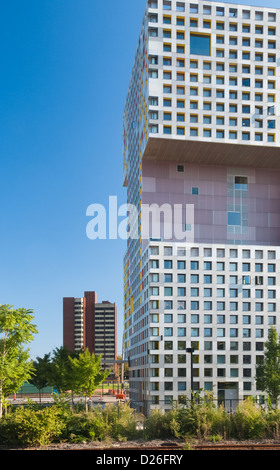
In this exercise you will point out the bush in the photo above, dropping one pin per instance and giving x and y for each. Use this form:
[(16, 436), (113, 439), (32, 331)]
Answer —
[(113, 422), (84, 426), (273, 424), (38, 426), (122, 420), (200, 419), (28, 426), (249, 420), (158, 425)]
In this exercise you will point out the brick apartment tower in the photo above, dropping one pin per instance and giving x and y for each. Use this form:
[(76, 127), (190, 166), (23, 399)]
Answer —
[(92, 325), (202, 128)]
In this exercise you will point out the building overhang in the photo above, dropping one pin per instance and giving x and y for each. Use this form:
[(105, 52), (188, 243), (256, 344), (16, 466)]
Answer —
[(211, 153)]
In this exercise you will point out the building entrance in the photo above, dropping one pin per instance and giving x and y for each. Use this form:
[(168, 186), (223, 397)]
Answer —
[(228, 395)]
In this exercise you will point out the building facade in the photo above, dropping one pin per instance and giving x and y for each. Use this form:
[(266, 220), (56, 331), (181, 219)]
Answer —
[(201, 131), (92, 325)]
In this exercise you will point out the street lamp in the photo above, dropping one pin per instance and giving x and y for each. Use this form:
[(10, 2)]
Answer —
[(191, 350)]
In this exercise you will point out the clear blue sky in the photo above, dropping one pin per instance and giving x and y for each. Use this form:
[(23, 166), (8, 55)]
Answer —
[(65, 70)]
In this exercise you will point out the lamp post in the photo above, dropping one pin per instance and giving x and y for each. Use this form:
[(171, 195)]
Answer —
[(191, 350)]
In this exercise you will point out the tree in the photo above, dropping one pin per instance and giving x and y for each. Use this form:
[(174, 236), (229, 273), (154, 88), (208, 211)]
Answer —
[(87, 373), (16, 330), (60, 373), (268, 372), (40, 376)]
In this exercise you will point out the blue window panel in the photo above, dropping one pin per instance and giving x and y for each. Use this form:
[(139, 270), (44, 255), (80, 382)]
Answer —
[(234, 218), (246, 82), (241, 183), (200, 44)]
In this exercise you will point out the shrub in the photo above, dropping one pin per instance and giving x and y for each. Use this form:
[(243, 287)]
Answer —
[(114, 422), (200, 419), (123, 421), (37, 426), (27, 426), (249, 420), (157, 425), (272, 420), (84, 426)]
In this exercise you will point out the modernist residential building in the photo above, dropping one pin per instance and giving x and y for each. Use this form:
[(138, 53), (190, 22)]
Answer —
[(201, 130), (92, 325)]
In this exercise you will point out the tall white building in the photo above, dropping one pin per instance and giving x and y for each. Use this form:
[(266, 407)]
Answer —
[(201, 130)]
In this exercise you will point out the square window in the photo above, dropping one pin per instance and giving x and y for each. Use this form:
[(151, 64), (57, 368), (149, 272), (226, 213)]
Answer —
[(220, 26), (180, 117), (245, 122), (167, 75), (180, 63), (220, 11), (220, 66), (200, 44), (271, 16), (167, 116), (180, 49), (246, 28), (245, 135), (233, 26), (234, 218), (167, 130), (259, 30), (180, 6), (194, 105), (246, 55), (193, 132), (246, 42), (241, 183), (246, 82), (180, 131), (206, 10), (220, 107), (206, 65), (220, 53), (193, 23), (193, 118), (233, 54), (220, 134), (207, 24), (180, 21), (258, 137), (246, 109), (180, 103)]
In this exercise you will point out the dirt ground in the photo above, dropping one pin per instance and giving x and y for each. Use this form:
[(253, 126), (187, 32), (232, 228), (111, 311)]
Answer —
[(141, 444)]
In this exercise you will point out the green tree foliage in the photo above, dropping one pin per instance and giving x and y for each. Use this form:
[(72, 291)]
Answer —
[(59, 373), (268, 372), (87, 373), (40, 376), (16, 330)]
